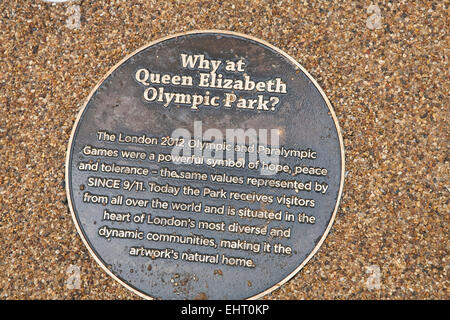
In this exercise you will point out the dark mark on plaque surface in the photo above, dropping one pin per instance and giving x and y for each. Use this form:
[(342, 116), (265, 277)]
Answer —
[(213, 163)]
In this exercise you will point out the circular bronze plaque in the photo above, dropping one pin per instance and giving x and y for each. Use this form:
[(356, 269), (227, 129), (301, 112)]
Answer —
[(206, 165)]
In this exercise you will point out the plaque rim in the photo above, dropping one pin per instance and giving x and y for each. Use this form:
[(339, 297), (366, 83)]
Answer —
[(152, 43)]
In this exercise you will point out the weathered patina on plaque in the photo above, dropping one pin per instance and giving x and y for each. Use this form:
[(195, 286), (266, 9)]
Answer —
[(166, 197)]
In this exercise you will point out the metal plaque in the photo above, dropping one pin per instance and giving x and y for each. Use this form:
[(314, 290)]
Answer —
[(205, 165)]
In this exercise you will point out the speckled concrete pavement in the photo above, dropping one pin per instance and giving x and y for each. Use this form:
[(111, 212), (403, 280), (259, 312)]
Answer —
[(385, 71)]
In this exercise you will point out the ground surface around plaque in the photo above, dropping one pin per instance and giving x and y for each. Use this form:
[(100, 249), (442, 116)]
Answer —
[(382, 66)]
